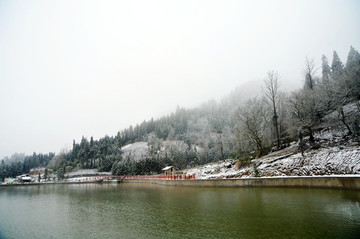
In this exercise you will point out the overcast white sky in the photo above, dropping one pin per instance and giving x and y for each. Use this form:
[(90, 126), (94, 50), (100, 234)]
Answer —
[(73, 68)]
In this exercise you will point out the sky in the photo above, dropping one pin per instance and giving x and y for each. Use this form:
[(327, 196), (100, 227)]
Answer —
[(91, 68)]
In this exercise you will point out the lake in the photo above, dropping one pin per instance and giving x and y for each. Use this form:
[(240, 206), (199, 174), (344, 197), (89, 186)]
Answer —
[(132, 210)]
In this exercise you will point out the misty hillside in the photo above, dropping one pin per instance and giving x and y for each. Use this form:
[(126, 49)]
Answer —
[(332, 154), (250, 122)]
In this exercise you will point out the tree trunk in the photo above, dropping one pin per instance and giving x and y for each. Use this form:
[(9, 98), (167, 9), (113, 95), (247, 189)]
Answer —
[(221, 148), (276, 128), (343, 119), (311, 135), (259, 147)]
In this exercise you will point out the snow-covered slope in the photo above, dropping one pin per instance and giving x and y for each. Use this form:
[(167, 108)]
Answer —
[(136, 150), (326, 161), (334, 153)]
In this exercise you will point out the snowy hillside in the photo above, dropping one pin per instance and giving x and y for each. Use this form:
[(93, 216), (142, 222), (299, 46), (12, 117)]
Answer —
[(334, 152), (326, 161), (136, 150)]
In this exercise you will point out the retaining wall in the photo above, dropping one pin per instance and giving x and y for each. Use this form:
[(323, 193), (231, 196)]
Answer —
[(296, 182)]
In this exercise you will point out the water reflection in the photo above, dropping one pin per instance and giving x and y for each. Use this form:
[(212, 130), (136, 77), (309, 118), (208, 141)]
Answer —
[(152, 211)]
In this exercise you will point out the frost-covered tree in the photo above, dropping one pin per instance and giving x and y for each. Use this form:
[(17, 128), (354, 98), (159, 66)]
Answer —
[(356, 128), (306, 110), (346, 84), (337, 67), (61, 173), (309, 73), (219, 121), (271, 95), (283, 112), (326, 70), (92, 152), (326, 86), (108, 161), (154, 144), (46, 174), (3, 173), (84, 152), (342, 88), (253, 119), (352, 69)]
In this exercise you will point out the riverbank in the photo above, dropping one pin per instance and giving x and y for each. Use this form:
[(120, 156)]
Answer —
[(343, 182), (330, 182), (78, 180), (52, 183)]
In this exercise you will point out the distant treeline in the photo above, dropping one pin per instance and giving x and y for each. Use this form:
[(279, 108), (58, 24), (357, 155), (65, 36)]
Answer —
[(216, 131), (184, 138), (19, 164)]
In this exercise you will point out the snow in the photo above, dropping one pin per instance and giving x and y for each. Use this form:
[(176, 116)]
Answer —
[(126, 147), (135, 151), (327, 161), (214, 170), (333, 161), (166, 168)]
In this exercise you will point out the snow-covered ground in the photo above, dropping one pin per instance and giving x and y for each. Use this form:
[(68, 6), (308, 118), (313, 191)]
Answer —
[(337, 155), (326, 161), (136, 150), (225, 169)]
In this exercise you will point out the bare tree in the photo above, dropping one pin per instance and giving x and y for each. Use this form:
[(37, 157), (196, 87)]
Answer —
[(305, 107), (270, 91), (253, 121), (283, 113), (309, 72), (342, 117), (335, 95), (339, 98)]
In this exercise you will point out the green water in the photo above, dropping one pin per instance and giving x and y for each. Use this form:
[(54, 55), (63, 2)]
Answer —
[(153, 211)]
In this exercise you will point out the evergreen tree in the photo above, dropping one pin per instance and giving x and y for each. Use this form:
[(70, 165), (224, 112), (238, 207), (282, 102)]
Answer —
[(61, 173), (352, 69), (326, 70), (84, 152), (92, 152), (75, 151), (2, 170), (337, 67), (46, 174)]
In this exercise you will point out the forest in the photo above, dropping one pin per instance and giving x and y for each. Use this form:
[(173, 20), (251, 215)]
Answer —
[(233, 128)]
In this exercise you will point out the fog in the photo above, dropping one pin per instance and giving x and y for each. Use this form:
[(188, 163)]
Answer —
[(89, 68)]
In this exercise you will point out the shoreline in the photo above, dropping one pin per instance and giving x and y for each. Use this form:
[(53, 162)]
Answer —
[(55, 183), (342, 182), (327, 182)]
